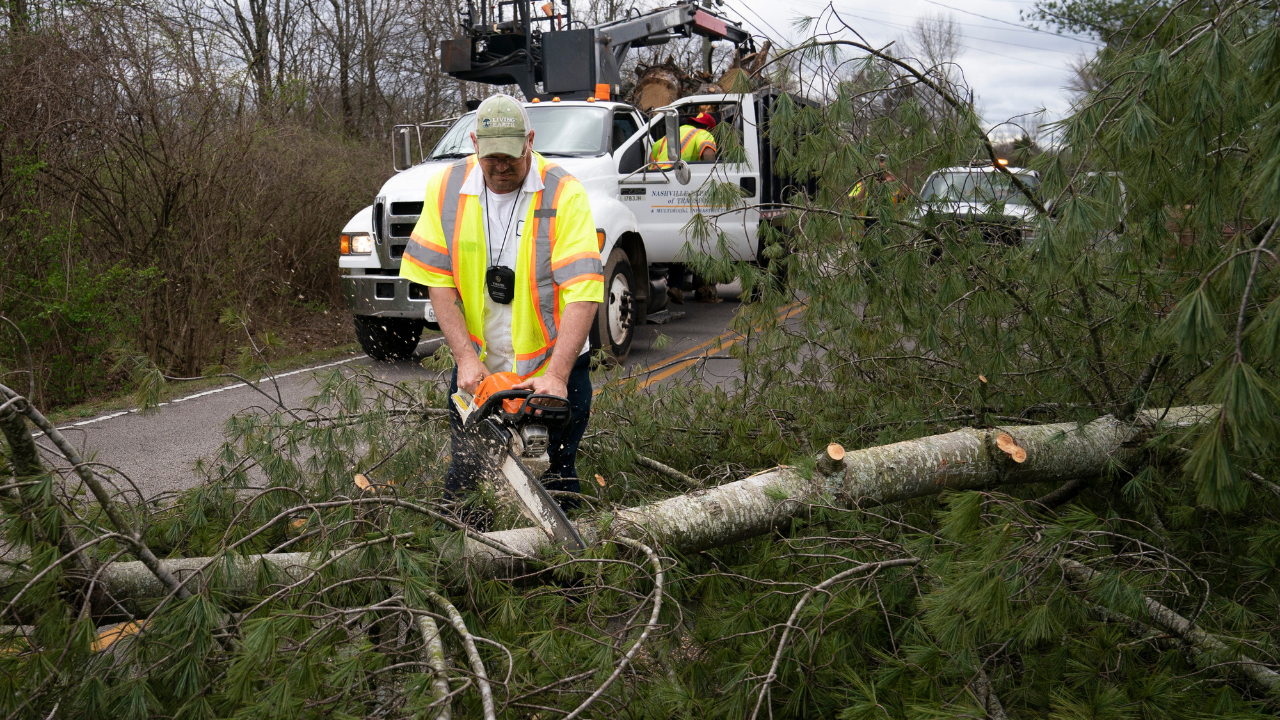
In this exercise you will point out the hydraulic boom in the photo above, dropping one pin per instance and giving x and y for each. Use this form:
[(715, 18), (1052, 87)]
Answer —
[(516, 42)]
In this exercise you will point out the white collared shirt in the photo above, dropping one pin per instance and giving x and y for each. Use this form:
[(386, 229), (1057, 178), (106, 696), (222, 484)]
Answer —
[(500, 354)]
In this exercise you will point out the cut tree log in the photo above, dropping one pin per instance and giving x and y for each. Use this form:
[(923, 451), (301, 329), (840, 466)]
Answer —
[(966, 459)]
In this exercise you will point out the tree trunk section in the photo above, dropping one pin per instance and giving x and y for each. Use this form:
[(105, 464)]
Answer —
[(957, 461)]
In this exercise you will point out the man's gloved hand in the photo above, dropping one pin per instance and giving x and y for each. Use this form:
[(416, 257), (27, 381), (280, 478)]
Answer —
[(470, 372), (547, 384)]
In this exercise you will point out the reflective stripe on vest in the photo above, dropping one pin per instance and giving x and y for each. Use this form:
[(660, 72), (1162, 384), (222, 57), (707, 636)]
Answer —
[(660, 148), (542, 280), (451, 212), (442, 262)]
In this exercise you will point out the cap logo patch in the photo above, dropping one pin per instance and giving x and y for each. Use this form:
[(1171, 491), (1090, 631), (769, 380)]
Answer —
[(500, 122), (486, 122)]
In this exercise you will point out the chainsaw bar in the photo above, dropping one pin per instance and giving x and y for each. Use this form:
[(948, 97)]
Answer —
[(495, 442), (537, 504)]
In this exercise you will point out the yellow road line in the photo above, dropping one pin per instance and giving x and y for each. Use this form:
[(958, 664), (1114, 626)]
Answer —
[(732, 337), (792, 310)]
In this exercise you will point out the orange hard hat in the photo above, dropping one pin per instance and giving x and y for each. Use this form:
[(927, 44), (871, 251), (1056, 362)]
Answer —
[(498, 382)]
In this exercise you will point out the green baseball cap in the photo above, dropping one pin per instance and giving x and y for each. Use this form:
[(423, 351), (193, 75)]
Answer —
[(501, 127)]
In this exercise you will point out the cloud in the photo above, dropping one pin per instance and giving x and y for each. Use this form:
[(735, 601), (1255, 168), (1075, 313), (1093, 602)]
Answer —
[(1012, 69)]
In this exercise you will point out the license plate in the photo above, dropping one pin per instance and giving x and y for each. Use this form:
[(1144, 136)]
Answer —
[(430, 313)]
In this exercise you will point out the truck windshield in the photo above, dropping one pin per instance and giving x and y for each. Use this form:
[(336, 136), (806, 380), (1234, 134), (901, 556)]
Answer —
[(976, 187), (558, 132)]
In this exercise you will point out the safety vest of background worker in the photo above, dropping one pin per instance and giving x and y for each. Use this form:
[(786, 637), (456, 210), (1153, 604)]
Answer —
[(898, 191), (696, 143), (507, 247)]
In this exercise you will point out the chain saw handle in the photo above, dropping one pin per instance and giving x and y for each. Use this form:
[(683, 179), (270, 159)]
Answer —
[(518, 407), (497, 398)]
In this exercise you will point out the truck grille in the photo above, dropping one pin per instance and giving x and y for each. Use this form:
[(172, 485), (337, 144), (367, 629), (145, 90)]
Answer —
[(397, 251), (406, 208), (402, 230)]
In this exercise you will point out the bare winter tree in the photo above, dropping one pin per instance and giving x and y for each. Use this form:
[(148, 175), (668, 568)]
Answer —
[(1084, 78), (936, 41)]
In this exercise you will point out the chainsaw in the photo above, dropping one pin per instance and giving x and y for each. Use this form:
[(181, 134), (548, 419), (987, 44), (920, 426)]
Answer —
[(511, 429)]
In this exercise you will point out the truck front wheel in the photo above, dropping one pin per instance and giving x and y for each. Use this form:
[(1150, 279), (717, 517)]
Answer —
[(389, 338), (616, 321)]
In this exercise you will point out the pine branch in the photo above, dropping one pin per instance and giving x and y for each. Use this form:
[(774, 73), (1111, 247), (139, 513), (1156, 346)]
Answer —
[(473, 655), (772, 675), (1213, 649), (1248, 291), (132, 535), (653, 622), (433, 653), (666, 470), (1260, 481), (1063, 494), (1140, 388), (986, 696)]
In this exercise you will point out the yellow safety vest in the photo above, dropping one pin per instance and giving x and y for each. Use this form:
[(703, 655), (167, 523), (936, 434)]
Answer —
[(558, 261), (693, 141)]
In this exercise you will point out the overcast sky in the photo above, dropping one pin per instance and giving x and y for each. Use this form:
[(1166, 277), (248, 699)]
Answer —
[(1011, 68)]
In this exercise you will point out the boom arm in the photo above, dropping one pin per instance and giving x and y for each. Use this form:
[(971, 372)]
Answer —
[(573, 64), (662, 26)]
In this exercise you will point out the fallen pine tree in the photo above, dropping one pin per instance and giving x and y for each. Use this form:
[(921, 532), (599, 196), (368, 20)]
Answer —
[(958, 461), (1057, 502)]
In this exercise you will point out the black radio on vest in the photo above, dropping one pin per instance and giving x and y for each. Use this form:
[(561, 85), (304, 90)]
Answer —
[(500, 280)]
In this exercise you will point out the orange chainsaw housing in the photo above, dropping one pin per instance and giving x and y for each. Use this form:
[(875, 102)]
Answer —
[(498, 382)]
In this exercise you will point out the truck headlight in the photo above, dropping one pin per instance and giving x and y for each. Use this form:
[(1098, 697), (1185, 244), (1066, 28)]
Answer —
[(356, 244)]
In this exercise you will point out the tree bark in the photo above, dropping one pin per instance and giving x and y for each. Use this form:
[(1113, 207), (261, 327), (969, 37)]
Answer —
[(963, 460), (25, 461), (434, 655), (18, 19), (25, 457)]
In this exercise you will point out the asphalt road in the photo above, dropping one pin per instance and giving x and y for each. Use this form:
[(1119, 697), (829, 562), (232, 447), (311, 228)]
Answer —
[(158, 451)]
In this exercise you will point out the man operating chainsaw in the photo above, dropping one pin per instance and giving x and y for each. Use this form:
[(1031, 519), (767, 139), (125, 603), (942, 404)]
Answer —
[(508, 248)]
